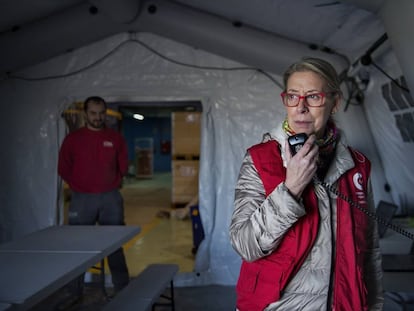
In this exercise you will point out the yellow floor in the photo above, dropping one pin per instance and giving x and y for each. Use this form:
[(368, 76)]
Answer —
[(162, 239)]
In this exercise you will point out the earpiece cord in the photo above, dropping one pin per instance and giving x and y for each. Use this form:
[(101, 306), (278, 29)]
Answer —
[(380, 220)]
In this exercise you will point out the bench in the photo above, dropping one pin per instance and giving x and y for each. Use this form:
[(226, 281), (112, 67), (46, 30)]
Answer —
[(143, 291)]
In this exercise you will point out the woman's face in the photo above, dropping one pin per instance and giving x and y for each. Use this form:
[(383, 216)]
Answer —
[(305, 119)]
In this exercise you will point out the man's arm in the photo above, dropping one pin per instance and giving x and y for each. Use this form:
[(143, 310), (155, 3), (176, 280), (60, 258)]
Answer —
[(65, 162)]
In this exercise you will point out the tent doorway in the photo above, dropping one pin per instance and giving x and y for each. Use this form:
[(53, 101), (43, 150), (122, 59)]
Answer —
[(164, 150)]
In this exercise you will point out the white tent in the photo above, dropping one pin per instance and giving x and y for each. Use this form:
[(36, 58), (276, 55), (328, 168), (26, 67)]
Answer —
[(131, 61)]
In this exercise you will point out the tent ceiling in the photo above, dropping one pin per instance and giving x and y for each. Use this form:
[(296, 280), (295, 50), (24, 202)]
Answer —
[(21, 13), (328, 25), (334, 24)]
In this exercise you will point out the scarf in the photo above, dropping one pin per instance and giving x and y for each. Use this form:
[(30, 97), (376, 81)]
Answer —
[(326, 145)]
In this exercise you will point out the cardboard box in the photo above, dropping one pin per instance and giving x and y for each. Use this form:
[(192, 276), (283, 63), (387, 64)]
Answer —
[(185, 132), (184, 180)]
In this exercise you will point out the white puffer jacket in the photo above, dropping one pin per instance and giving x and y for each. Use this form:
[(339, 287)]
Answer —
[(258, 224)]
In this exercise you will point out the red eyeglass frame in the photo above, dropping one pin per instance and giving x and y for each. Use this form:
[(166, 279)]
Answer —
[(322, 94)]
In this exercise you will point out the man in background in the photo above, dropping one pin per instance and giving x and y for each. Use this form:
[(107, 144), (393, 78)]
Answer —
[(93, 160)]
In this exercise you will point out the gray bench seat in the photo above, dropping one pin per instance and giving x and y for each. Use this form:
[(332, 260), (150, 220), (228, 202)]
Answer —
[(143, 291)]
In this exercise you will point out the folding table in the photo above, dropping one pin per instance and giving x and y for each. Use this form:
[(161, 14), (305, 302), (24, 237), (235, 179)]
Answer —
[(34, 266)]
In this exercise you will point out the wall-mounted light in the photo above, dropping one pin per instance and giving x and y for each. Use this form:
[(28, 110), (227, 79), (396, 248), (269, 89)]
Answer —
[(138, 116)]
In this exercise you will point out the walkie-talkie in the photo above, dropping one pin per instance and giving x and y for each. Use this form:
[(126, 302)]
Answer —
[(296, 142)]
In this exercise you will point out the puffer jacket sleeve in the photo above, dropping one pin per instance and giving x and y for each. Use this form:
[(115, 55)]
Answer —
[(373, 262), (258, 222)]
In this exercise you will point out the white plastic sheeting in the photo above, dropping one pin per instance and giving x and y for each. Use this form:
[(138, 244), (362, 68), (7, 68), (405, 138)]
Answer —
[(390, 127), (238, 107)]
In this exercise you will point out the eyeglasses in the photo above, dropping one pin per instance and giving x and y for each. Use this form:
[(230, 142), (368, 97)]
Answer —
[(311, 100)]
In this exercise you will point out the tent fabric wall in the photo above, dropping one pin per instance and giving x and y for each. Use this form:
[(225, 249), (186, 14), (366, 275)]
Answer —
[(395, 148), (385, 123), (238, 107)]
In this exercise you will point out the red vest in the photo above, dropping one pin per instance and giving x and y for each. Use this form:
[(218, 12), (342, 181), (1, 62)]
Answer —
[(262, 281)]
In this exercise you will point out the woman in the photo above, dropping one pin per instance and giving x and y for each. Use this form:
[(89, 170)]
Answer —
[(303, 248)]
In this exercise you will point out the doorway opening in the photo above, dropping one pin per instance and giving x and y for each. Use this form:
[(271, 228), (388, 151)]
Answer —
[(163, 141), (164, 150)]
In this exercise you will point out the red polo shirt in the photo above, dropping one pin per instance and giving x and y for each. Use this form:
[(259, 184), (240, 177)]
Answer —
[(93, 161)]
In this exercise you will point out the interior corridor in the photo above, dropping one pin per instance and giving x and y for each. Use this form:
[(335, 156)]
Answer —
[(162, 239)]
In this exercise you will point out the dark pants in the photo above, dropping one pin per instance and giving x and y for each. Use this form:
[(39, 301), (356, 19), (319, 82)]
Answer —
[(103, 209)]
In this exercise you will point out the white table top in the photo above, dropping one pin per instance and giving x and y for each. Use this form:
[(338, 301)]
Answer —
[(73, 239), (25, 277), (34, 266), (4, 306)]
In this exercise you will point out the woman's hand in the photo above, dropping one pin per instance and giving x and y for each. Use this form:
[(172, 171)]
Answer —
[(301, 167)]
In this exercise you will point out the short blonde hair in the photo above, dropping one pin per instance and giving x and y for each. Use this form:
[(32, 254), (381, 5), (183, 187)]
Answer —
[(319, 66)]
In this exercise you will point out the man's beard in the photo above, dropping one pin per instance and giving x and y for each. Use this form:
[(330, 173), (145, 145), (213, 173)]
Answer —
[(96, 124)]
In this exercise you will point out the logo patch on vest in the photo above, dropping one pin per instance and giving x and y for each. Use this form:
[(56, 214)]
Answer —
[(357, 179)]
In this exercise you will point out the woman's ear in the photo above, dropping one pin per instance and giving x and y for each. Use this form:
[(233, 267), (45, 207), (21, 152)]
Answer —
[(336, 104)]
